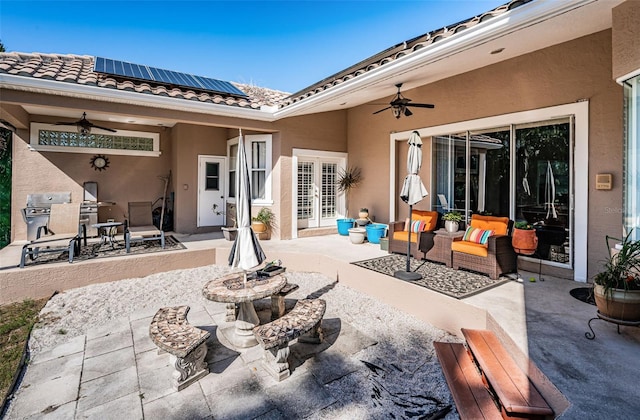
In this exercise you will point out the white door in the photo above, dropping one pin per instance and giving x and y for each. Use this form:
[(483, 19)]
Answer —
[(211, 190), (317, 192)]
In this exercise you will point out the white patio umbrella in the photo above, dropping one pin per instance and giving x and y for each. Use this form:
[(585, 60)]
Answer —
[(246, 251), (550, 192), (413, 191)]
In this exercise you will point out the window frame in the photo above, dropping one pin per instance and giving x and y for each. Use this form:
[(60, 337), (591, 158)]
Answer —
[(248, 143)]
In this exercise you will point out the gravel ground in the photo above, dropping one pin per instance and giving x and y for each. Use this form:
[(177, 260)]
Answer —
[(403, 379)]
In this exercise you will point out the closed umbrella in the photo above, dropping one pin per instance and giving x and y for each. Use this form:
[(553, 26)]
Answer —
[(246, 251), (413, 191)]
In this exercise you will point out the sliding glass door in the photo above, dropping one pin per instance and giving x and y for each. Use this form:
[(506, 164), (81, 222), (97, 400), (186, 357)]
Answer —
[(520, 171)]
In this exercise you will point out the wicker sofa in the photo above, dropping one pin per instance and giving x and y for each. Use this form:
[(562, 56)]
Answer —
[(421, 241), (494, 257)]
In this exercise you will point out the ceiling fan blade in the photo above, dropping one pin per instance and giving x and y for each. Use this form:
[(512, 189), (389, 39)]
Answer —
[(65, 123), (103, 128), (422, 105), (383, 109)]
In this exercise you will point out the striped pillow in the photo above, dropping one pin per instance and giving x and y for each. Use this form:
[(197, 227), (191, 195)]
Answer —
[(418, 225), (476, 235)]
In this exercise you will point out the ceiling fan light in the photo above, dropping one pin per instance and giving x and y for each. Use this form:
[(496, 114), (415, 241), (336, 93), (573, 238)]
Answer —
[(84, 130), (397, 111), (407, 113)]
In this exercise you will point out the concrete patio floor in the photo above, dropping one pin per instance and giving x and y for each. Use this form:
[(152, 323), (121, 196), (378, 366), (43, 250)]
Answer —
[(598, 377)]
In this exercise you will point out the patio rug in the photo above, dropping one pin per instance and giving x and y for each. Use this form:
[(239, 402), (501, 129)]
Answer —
[(97, 250), (440, 278)]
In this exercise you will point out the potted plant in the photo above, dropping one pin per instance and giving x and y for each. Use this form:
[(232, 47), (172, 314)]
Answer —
[(452, 221), (263, 223), (348, 179), (524, 239), (617, 286), (229, 232)]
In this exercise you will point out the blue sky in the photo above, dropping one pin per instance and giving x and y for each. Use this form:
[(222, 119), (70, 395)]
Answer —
[(284, 45)]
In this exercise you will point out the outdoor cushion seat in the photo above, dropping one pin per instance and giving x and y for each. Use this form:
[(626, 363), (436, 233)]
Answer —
[(494, 257), (469, 248), (421, 241)]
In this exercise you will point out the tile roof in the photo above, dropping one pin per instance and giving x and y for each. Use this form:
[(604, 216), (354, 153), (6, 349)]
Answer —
[(398, 51), (79, 70)]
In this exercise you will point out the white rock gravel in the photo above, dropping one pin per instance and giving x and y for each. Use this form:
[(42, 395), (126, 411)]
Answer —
[(410, 374)]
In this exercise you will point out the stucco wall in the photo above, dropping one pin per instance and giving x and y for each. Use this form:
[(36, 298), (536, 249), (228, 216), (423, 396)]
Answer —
[(62, 172), (576, 70), (326, 131), (626, 38), (191, 141)]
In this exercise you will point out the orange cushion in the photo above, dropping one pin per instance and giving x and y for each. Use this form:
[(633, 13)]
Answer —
[(429, 217), (470, 248), (498, 225), (403, 236)]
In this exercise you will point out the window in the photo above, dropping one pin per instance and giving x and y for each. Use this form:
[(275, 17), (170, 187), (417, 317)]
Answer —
[(258, 149), (52, 138)]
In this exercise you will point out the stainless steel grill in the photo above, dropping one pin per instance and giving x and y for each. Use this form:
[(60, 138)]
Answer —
[(36, 213)]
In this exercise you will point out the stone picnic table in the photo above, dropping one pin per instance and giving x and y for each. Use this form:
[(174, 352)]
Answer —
[(233, 288)]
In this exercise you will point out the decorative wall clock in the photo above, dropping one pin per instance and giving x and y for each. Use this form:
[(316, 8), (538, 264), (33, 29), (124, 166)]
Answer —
[(99, 162)]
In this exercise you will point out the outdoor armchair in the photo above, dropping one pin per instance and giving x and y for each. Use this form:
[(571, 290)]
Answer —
[(61, 233), (424, 224), (486, 247), (139, 226)]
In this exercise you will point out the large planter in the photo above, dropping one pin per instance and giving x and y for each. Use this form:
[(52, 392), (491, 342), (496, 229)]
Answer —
[(344, 225), (451, 226), (357, 235), (524, 241), (622, 304), (375, 231)]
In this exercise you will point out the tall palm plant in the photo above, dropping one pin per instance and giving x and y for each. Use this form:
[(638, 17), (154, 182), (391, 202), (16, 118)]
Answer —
[(348, 179)]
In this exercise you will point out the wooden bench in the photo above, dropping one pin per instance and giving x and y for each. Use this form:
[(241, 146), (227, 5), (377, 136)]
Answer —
[(170, 331), (486, 382), (277, 300), (302, 322)]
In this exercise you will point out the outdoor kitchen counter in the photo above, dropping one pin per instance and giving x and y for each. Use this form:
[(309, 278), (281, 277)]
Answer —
[(233, 288)]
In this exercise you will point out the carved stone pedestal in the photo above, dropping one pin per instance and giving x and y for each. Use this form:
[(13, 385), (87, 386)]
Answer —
[(190, 368)]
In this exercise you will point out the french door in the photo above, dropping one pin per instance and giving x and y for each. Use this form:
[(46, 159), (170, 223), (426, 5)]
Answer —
[(317, 194)]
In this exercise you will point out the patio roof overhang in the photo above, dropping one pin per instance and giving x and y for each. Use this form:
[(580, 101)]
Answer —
[(526, 28)]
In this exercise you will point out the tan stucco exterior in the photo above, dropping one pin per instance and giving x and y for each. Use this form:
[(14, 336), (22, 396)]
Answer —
[(626, 36)]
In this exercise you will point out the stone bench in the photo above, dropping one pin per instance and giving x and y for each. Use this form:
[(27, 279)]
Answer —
[(302, 322), (486, 382), (187, 345)]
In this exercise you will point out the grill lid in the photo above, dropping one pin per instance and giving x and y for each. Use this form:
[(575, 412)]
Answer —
[(47, 199)]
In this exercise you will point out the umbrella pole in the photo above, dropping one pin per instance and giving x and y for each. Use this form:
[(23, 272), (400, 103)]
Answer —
[(408, 274)]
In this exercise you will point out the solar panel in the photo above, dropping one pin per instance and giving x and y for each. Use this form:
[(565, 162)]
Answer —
[(165, 77)]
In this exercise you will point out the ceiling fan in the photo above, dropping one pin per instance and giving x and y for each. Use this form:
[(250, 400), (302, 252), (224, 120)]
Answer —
[(84, 125), (400, 105)]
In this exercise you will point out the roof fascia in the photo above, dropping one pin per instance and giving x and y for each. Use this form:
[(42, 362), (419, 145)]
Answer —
[(52, 87), (512, 21)]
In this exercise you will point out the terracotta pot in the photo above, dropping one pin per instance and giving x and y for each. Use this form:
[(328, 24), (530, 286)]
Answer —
[(258, 227), (622, 304), (524, 242)]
